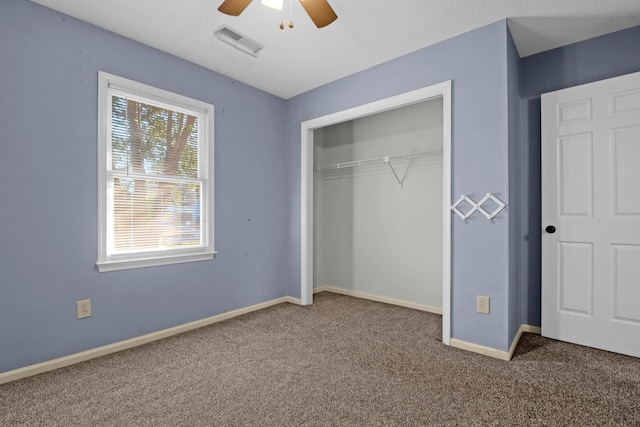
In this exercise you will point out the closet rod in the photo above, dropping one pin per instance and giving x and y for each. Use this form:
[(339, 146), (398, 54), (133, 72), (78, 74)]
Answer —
[(377, 160)]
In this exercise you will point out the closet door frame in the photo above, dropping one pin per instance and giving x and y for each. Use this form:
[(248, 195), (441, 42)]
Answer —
[(306, 171)]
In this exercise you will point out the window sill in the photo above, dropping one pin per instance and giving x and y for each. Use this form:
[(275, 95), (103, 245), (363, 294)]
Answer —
[(126, 264)]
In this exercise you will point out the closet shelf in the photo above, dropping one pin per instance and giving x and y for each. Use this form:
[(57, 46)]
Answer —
[(378, 160), (381, 160)]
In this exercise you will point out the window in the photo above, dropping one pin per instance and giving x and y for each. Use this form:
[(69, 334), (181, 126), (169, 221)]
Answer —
[(155, 178)]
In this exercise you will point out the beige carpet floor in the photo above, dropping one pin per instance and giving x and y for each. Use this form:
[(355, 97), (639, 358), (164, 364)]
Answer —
[(341, 362)]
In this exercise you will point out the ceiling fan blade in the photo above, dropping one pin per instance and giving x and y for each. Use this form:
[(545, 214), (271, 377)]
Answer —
[(234, 7), (319, 11)]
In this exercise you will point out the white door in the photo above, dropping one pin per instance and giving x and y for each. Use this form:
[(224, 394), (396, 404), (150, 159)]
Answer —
[(591, 196)]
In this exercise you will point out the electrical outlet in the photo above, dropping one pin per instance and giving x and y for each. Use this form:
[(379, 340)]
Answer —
[(483, 304), (84, 308)]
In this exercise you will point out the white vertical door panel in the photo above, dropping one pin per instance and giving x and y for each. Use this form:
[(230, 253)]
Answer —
[(591, 195)]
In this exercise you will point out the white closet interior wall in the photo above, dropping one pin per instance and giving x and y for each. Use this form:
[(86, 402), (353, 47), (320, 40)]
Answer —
[(370, 234)]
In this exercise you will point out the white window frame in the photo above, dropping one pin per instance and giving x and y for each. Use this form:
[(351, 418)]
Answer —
[(107, 261)]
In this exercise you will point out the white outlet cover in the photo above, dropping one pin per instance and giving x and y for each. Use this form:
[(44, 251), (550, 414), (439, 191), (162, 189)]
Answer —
[(83, 308), (483, 304)]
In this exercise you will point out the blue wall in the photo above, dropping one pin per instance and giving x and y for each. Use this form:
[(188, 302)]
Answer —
[(588, 61), (477, 64), (516, 203), (48, 203)]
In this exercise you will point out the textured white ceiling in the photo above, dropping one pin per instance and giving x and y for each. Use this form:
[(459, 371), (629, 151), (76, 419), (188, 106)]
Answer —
[(367, 32)]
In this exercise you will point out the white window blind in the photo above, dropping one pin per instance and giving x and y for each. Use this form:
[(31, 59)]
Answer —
[(157, 187)]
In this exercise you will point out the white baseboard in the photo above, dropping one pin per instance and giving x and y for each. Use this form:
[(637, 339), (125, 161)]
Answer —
[(93, 353), (493, 352), (532, 329), (293, 300), (480, 349), (372, 297)]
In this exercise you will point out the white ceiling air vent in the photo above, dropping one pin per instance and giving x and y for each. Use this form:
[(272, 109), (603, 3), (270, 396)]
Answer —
[(238, 40)]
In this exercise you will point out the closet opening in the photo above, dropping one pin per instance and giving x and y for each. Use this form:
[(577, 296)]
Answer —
[(375, 202)]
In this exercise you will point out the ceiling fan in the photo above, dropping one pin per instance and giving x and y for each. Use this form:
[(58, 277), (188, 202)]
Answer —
[(319, 11)]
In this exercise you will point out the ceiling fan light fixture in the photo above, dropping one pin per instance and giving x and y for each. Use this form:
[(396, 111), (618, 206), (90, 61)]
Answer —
[(320, 11), (274, 4)]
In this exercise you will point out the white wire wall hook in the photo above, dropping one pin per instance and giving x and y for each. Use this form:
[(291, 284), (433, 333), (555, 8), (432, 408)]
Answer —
[(478, 206), (495, 200), (463, 199)]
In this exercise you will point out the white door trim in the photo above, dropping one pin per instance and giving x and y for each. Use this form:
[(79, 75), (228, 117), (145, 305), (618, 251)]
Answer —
[(306, 174)]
